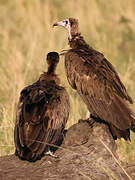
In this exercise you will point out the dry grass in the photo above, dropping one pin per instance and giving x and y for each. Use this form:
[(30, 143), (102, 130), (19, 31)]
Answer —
[(26, 35), (116, 160)]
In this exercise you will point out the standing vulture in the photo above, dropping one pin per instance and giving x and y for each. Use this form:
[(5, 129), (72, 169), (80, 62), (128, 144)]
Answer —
[(97, 82), (42, 113)]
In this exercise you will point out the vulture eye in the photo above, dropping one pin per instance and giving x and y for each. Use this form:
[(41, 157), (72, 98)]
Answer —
[(66, 22)]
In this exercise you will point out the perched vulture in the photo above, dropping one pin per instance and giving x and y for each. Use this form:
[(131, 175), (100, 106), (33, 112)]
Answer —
[(42, 113), (97, 82)]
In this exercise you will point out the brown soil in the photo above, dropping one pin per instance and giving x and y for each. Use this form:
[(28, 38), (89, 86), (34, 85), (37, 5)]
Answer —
[(83, 155)]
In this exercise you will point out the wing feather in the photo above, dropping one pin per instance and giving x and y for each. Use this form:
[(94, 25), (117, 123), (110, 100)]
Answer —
[(41, 116), (100, 87)]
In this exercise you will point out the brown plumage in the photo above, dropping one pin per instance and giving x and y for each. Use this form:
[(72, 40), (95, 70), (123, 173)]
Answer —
[(97, 82), (42, 113)]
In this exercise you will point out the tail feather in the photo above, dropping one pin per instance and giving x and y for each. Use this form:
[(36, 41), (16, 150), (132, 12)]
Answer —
[(124, 116), (117, 133), (133, 126)]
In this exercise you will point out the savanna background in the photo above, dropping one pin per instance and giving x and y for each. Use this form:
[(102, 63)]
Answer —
[(26, 36)]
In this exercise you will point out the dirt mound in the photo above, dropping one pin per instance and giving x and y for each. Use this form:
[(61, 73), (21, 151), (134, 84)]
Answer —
[(88, 152)]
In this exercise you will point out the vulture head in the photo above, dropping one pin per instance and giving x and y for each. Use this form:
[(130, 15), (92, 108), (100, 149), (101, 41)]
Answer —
[(52, 58), (71, 25), (52, 61)]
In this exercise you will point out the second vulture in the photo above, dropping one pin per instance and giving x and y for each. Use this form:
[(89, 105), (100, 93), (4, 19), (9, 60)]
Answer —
[(42, 113), (97, 82)]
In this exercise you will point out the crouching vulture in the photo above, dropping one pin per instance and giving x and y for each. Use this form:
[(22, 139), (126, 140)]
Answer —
[(97, 82), (42, 113)]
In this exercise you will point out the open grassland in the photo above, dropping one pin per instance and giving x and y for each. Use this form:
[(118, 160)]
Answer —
[(26, 35)]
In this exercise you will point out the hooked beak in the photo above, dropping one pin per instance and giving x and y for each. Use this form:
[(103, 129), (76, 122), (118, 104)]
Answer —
[(60, 23), (55, 24)]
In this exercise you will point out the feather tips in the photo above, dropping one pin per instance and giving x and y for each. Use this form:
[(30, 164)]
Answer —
[(42, 113), (99, 85)]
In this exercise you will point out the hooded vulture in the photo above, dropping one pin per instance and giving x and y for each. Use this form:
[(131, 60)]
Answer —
[(97, 82), (42, 113)]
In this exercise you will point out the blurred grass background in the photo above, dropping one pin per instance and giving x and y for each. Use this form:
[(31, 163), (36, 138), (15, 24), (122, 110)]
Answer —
[(26, 36)]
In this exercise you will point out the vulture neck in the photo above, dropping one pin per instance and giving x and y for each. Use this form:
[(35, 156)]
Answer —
[(77, 42), (50, 75), (51, 69)]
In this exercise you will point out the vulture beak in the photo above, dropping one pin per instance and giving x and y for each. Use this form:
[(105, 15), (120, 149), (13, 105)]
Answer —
[(55, 24), (60, 23)]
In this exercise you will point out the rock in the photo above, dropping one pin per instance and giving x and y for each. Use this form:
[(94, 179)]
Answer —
[(88, 152)]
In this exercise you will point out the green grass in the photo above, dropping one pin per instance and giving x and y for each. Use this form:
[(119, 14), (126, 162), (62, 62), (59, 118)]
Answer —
[(26, 35)]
